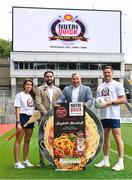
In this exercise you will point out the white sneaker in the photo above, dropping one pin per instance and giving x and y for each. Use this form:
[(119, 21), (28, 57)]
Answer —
[(27, 164), (18, 165), (118, 167), (103, 164)]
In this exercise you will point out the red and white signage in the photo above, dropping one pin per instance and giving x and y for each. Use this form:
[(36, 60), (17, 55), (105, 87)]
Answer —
[(76, 109)]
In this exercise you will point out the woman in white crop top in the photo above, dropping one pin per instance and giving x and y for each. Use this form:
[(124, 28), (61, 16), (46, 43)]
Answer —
[(24, 107)]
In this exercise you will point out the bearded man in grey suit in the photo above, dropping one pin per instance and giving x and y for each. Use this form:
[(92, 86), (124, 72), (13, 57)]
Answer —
[(77, 92), (46, 96)]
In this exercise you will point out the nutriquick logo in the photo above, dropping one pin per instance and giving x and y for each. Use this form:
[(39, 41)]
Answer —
[(68, 28)]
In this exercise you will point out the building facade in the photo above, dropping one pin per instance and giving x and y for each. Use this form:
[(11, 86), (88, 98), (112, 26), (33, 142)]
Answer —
[(88, 65)]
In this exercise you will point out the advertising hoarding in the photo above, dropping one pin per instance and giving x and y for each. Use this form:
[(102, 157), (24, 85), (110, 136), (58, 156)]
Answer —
[(66, 30)]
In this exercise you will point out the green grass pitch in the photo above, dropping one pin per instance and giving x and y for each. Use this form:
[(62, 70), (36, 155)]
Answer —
[(7, 170)]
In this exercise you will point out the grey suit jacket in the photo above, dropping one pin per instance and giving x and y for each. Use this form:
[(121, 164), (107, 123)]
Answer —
[(85, 95), (42, 98)]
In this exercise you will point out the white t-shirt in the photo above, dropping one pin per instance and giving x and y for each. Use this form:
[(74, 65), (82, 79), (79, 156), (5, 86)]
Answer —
[(110, 91), (25, 102)]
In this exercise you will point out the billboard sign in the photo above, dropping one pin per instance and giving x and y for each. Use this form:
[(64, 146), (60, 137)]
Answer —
[(66, 30)]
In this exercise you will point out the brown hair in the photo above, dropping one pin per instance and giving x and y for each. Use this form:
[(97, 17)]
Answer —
[(107, 67), (32, 91), (74, 74), (46, 72)]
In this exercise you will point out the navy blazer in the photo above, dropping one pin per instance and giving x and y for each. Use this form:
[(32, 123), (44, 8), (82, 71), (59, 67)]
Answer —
[(85, 95)]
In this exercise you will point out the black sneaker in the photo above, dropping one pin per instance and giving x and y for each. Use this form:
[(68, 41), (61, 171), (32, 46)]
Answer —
[(41, 164)]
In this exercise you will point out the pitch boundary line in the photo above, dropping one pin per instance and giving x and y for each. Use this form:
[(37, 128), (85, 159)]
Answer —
[(126, 156)]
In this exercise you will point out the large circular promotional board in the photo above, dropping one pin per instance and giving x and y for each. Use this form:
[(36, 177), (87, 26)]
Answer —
[(94, 136)]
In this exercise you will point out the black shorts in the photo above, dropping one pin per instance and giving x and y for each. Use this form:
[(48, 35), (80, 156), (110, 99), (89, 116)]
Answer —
[(110, 123), (23, 119)]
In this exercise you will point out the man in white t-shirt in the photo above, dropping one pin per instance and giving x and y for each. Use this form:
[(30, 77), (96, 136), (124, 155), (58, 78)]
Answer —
[(113, 93)]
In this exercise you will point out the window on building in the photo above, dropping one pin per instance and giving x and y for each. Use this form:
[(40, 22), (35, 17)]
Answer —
[(16, 65), (116, 66), (94, 66), (62, 66), (72, 66), (39, 65), (26, 65), (31, 65), (21, 65), (50, 65), (83, 66)]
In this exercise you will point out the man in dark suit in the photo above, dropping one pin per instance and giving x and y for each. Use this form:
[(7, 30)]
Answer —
[(77, 92)]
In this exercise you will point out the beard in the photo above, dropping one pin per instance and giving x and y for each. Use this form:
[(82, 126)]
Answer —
[(49, 82)]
